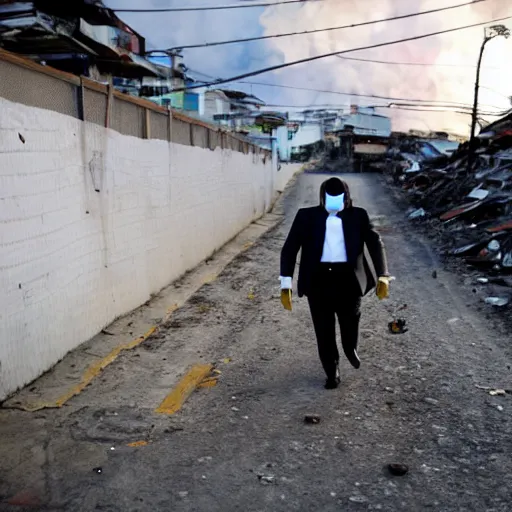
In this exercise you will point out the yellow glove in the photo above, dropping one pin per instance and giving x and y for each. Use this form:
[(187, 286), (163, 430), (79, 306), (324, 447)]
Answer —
[(286, 299), (383, 288)]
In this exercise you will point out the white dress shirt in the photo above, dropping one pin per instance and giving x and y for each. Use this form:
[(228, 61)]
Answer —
[(335, 250)]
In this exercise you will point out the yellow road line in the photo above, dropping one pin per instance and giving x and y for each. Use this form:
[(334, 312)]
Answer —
[(138, 444), (91, 373), (209, 382), (174, 401)]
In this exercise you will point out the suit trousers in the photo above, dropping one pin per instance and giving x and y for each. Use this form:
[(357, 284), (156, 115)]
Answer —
[(335, 292)]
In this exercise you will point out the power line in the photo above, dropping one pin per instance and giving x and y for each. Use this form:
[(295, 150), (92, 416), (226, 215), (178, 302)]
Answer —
[(332, 54), (216, 7), (337, 106), (423, 64), (342, 93), (315, 31), (462, 112), (398, 106)]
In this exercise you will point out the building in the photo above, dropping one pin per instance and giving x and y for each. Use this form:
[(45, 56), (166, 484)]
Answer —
[(301, 130), (82, 37), (365, 121), (361, 138), (235, 110)]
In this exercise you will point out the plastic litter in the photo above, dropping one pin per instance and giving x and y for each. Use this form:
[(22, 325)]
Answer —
[(416, 214), (497, 301)]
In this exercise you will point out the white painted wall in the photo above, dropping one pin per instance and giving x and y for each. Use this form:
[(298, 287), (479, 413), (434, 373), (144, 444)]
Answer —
[(286, 173), (73, 259), (308, 133)]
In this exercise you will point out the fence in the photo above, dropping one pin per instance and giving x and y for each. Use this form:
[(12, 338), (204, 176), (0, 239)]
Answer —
[(101, 104)]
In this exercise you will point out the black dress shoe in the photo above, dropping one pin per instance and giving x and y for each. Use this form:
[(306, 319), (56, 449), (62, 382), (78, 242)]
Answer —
[(353, 359), (332, 383)]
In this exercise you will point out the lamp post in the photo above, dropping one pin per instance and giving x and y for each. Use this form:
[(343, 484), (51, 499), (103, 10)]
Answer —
[(489, 33)]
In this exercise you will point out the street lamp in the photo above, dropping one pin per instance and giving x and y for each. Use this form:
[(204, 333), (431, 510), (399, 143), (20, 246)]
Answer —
[(489, 33)]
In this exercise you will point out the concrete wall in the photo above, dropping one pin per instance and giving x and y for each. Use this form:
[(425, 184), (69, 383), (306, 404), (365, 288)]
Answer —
[(285, 174), (93, 222)]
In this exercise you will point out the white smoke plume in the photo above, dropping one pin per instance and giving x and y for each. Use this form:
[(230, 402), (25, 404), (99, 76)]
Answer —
[(437, 83), (450, 84)]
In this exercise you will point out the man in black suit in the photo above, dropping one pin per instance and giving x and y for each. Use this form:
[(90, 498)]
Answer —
[(342, 259)]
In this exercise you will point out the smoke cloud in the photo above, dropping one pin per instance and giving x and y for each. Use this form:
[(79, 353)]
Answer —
[(444, 82)]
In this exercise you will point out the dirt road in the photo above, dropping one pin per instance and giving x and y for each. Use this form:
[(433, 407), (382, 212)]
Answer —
[(243, 444)]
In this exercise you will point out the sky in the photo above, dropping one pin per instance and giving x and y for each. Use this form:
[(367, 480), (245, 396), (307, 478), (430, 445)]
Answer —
[(451, 58)]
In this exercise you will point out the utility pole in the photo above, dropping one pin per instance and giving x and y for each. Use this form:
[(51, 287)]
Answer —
[(489, 33)]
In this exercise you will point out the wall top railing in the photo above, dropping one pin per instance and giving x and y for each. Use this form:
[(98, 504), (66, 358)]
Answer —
[(24, 81)]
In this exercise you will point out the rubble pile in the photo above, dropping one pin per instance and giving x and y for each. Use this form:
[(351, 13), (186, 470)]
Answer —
[(467, 196)]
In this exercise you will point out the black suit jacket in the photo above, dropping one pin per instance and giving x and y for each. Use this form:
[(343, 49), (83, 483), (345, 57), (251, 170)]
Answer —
[(365, 250)]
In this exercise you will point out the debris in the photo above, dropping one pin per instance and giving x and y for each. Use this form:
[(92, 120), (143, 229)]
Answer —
[(483, 280), (398, 469), (183, 494), (21, 138), (227, 360), (500, 408), (434, 274), (266, 479), (98, 470), (478, 193), (398, 326), (416, 214), (469, 205), (312, 419), (358, 499), (431, 401), (235, 409), (497, 392), (497, 301)]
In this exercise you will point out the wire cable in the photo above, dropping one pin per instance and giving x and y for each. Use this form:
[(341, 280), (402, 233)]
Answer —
[(216, 7), (423, 64), (332, 54), (315, 31), (443, 107), (398, 106), (343, 93), (356, 95)]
